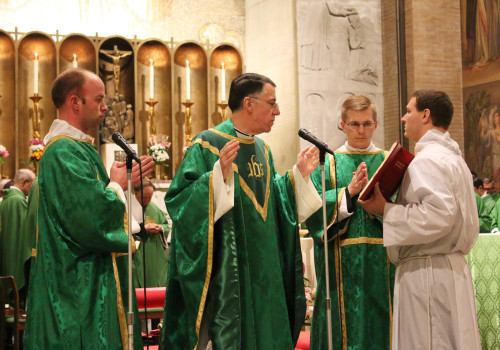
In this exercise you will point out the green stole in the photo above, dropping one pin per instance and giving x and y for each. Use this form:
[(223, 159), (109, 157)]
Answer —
[(362, 302), (244, 272)]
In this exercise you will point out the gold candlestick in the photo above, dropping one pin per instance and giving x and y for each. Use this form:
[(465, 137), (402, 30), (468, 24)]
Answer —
[(188, 105), (35, 118), (151, 116), (223, 106)]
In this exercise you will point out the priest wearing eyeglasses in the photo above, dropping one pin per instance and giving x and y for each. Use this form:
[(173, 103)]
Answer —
[(361, 276), (235, 275)]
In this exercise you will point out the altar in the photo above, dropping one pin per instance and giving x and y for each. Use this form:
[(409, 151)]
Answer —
[(484, 262)]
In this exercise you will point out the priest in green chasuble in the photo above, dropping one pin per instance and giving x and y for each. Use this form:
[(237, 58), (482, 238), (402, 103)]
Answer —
[(78, 292), (361, 276), (156, 226), (14, 244), (235, 275)]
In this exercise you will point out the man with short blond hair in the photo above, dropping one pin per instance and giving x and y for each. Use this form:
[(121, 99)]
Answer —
[(361, 276)]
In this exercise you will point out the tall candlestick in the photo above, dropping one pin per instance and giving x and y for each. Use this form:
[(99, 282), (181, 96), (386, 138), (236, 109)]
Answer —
[(223, 82), (35, 73), (151, 79), (75, 63), (188, 81)]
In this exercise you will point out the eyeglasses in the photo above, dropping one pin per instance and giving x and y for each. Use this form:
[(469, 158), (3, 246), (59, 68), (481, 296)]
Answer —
[(356, 125), (273, 104)]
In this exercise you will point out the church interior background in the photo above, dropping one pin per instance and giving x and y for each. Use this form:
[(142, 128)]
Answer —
[(317, 52), (168, 64)]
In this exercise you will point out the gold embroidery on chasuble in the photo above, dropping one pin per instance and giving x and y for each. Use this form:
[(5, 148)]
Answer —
[(252, 166)]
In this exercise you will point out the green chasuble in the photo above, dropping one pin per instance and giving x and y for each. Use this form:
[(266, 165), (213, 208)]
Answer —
[(362, 303), (156, 260), (484, 216), (15, 249), (78, 292), (243, 273)]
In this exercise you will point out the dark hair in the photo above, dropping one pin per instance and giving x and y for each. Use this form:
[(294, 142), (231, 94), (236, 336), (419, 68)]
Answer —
[(68, 82), (8, 185), (246, 85), (438, 103), (477, 182)]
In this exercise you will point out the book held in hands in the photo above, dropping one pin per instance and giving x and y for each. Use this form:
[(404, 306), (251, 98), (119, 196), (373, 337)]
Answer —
[(390, 173)]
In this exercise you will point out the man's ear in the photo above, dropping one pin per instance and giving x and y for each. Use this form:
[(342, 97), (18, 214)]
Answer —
[(74, 102), (247, 104), (427, 116)]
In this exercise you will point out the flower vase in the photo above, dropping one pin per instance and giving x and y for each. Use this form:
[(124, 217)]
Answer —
[(35, 168), (157, 172)]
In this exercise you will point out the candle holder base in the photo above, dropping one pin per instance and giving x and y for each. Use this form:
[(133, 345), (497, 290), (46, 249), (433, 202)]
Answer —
[(188, 105), (223, 106)]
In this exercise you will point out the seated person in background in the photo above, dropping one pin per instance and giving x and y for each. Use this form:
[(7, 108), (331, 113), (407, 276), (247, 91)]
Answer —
[(156, 225), (484, 205)]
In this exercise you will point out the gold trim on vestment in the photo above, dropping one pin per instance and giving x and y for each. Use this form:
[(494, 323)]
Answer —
[(119, 304), (292, 179), (340, 195), (361, 240), (201, 307), (262, 210), (390, 299), (340, 290), (34, 250), (338, 273), (227, 136), (58, 137)]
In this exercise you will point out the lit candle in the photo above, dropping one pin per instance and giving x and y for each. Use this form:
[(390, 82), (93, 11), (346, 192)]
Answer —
[(151, 79), (35, 73), (223, 82), (188, 81), (75, 63)]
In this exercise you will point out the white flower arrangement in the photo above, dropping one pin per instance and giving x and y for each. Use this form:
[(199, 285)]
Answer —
[(158, 146)]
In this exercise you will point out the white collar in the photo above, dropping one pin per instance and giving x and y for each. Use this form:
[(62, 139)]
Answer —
[(346, 148), (61, 127)]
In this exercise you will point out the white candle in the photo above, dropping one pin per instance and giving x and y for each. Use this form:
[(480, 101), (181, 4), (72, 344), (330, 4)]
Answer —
[(223, 83), (151, 79), (75, 63), (35, 73), (188, 81)]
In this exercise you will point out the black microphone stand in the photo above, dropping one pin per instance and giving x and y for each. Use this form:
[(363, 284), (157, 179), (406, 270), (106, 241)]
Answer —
[(130, 314), (322, 154)]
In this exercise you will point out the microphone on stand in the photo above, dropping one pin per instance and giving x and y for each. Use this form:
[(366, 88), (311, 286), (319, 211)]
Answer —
[(306, 135), (122, 143)]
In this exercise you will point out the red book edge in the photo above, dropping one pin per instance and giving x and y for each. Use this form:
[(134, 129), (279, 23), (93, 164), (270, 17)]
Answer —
[(394, 152)]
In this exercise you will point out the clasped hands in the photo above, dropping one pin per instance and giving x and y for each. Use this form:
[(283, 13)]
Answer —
[(118, 172)]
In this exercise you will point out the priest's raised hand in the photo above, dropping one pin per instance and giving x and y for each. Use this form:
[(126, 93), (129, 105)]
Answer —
[(118, 171)]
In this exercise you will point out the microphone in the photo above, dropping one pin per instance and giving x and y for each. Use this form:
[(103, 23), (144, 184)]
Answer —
[(306, 135), (122, 143)]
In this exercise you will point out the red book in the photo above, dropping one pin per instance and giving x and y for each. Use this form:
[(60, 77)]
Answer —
[(390, 173)]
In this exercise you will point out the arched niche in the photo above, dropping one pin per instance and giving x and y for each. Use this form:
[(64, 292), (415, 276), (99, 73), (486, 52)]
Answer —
[(45, 48), (199, 110), (7, 102), (117, 52), (77, 48), (233, 67), (161, 93)]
